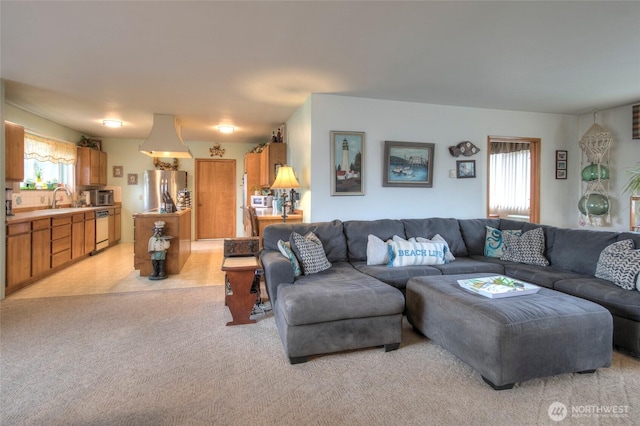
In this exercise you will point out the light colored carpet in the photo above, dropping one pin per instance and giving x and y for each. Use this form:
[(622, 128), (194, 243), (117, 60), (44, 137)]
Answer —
[(166, 358)]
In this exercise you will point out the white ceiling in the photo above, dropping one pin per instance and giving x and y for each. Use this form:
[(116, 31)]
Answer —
[(251, 64)]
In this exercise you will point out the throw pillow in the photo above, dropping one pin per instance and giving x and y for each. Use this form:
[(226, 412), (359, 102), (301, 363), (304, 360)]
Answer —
[(493, 243), (620, 263), (408, 253), (310, 252), (448, 256), (285, 249), (526, 248), (377, 251)]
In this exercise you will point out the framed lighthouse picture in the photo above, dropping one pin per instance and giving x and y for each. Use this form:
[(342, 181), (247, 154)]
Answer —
[(347, 163)]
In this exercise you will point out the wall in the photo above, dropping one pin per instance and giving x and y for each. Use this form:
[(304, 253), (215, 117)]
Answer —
[(624, 156), (298, 153), (413, 122)]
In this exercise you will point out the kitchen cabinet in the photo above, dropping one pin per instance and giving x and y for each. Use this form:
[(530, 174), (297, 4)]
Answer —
[(251, 174), (112, 227), (40, 247), (117, 213), (91, 167), (18, 255), (28, 252), (89, 232), (272, 155), (14, 152), (60, 240), (77, 235)]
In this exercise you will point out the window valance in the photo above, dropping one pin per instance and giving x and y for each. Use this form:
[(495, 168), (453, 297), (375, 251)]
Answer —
[(46, 149), (507, 147)]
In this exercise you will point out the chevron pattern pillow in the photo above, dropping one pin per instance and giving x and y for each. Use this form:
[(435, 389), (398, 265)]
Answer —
[(526, 248), (620, 263), (310, 252)]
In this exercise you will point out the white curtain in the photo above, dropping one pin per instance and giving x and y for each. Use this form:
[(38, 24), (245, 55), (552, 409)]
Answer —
[(510, 182), (46, 149)]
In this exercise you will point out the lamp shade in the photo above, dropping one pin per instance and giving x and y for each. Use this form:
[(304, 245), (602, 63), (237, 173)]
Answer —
[(286, 179)]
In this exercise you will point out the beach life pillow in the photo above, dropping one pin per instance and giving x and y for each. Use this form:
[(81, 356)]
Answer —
[(310, 252), (377, 251), (526, 248), (620, 263), (493, 242), (414, 253), (449, 257), (285, 249)]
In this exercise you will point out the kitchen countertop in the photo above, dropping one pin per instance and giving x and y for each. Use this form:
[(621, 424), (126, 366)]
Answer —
[(42, 213), (158, 214)]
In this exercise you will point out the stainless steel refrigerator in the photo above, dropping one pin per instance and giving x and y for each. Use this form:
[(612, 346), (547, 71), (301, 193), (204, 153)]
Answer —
[(157, 182)]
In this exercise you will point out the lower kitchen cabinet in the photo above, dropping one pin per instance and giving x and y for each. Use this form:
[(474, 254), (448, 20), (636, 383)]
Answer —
[(18, 254), (60, 241), (89, 232), (77, 235), (40, 247)]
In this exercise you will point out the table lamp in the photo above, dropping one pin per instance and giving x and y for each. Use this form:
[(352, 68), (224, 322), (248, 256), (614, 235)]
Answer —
[(286, 179)]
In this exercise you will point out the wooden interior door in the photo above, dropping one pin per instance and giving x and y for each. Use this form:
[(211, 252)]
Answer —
[(215, 199)]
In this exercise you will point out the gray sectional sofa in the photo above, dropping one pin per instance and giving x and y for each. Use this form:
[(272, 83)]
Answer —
[(353, 305)]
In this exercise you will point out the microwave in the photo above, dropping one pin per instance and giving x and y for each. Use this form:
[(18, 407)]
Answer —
[(101, 197), (261, 201)]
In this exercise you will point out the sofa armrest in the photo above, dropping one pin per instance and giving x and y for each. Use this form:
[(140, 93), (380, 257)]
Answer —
[(277, 270)]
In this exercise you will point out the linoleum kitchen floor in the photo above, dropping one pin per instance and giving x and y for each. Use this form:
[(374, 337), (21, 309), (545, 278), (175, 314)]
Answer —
[(111, 271)]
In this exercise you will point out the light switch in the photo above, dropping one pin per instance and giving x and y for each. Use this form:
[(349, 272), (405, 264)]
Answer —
[(452, 173)]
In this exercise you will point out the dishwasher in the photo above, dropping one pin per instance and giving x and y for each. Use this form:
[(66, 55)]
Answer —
[(102, 229)]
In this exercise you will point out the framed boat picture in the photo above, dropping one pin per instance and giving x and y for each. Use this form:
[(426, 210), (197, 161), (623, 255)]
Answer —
[(347, 163), (408, 164)]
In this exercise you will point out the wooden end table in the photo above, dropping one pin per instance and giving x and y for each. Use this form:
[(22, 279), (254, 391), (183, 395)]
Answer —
[(240, 273)]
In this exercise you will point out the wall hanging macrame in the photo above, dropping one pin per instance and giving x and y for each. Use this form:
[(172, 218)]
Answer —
[(594, 206)]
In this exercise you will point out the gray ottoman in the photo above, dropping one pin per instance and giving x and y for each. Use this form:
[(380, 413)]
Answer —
[(511, 339)]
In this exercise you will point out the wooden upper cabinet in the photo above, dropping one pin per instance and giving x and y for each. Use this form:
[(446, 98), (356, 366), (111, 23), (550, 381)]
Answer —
[(91, 167), (274, 154), (14, 152)]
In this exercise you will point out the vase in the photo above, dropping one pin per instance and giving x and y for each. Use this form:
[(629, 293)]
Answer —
[(594, 172), (593, 204)]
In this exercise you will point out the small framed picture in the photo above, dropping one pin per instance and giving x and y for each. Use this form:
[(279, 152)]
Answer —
[(347, 163), (465, 169), (561, 164), (118, 171), (132, 178)]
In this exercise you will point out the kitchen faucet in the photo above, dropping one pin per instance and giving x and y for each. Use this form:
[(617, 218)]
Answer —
[(53, 206)]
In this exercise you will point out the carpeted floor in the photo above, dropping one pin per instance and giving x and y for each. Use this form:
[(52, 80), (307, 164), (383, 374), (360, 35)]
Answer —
[(166, 358)]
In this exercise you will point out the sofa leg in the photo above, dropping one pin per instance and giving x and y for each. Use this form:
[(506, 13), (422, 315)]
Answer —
[(498, 388), (297, 359), (391, 347), (586, 372)]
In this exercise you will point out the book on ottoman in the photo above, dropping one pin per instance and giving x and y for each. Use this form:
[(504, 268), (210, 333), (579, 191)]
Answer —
[(498, 286)]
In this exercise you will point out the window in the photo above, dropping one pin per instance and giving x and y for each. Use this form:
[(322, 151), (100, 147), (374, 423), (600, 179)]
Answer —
[(48, 161)]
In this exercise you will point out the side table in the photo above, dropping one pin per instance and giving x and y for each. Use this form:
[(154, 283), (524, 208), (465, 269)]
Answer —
[(240, 272)]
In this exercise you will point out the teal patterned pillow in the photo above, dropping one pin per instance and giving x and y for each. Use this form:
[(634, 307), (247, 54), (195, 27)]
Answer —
[(285, 249), (493, 244)]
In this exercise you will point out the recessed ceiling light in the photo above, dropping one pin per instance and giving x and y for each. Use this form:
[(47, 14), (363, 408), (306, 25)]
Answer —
[(226, 129), (112, 123)]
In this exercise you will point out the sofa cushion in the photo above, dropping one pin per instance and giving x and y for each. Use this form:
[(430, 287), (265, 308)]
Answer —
[(408, 253), (356, 233), (494, 244), (448, 256), (396, 277), (467, 265), (473, 233), (526, 248), (448, 228), (620, 302), (377, 251), (545, 276), (578, 250), (335, 294), (620, 263), (310, 253), (285, 249), (330, 233)]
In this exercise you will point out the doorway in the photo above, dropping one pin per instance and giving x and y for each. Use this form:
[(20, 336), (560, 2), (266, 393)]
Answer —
[(513, 178), (215, 199)]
